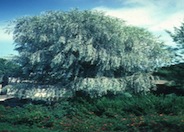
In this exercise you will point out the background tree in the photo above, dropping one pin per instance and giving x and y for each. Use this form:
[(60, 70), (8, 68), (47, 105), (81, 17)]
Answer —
[(9, 67), (82, 49), (175, 72), (178, 38), (2, 66), (178, 35)]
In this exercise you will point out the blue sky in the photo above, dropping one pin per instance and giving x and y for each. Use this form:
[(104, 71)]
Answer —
[(155, 15)]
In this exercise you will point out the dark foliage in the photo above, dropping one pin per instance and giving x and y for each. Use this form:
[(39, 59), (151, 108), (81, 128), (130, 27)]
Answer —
[(174, 74), (108, 113)]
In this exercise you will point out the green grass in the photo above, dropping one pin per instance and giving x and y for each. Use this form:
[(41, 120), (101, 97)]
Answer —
[(108, 113)]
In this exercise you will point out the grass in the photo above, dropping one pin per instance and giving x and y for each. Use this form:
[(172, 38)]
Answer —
[(108, 113)]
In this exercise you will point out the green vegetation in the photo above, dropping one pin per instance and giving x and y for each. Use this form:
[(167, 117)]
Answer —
[(90, 51), (9, 67), (178, 35), (108, 113), (174, 74)]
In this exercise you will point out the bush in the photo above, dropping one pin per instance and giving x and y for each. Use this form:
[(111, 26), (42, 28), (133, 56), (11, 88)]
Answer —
[(107, 113)]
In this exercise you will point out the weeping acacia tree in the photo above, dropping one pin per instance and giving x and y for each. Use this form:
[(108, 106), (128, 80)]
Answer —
[(86, 50)]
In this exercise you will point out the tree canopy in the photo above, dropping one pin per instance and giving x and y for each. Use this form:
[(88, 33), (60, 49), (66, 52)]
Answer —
[(178, 38), (9, 68), (178, 35), (59, 46)]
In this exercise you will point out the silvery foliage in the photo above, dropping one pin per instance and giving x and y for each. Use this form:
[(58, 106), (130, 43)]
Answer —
[(87, 49), (36, 92)]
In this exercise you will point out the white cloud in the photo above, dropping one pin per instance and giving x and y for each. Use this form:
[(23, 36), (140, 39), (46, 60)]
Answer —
[(133, 16), (171, 21), (155, 15)]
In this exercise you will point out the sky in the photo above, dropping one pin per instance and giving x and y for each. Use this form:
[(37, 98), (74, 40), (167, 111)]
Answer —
[(154, 15)]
